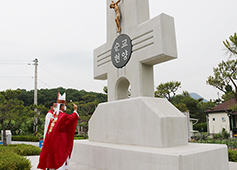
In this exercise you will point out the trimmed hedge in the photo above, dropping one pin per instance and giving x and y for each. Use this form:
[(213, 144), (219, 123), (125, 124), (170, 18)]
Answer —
[(79, 138), (25, 138), (36, 139), (11, 157), (22, 149)]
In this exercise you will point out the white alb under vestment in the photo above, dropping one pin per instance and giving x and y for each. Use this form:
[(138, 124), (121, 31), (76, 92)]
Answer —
[(48, 116), (65, 166)]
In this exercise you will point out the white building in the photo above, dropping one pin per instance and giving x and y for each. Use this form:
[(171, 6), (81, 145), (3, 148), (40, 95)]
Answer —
[(221, 116)]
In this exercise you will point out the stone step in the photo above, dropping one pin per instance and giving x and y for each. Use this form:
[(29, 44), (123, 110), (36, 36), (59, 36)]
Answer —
[(73, 166)]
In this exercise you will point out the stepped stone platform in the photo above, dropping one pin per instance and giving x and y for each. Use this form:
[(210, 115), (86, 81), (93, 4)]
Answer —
[(144, 133), (73, 166), (107, 156)]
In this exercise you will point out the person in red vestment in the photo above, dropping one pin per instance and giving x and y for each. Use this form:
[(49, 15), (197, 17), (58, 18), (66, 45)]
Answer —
[(58, 142)]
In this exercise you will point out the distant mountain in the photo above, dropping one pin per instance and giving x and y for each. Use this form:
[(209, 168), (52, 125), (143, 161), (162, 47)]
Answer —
[(197, 96)]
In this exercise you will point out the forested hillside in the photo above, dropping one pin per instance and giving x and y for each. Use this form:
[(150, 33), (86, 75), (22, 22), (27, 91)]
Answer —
[(47, 95)]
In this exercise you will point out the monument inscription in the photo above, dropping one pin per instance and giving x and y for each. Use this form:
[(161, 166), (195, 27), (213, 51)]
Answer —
[(121, 51)]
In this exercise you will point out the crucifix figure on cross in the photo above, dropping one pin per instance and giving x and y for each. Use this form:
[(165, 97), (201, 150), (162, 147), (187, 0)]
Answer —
[(153, 42), (118, 14)]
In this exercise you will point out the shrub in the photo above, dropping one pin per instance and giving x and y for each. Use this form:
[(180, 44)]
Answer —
[(200, 136), (22, 149), (201, 127), (217, 136), (78, 137), (10, 160), (232, 155), (25, 138), (225, 134)]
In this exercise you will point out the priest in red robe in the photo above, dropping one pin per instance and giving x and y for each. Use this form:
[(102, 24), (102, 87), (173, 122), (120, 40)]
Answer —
[(58, 142)]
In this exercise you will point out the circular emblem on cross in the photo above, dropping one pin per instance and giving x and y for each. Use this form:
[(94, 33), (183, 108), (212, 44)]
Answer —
[(121, 51)]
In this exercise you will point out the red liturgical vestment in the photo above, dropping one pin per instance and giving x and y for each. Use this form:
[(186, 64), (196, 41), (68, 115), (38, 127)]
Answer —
[(59, 141)]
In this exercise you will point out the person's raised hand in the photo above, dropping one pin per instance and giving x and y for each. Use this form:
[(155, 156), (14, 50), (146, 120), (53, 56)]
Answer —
[(74, 107)]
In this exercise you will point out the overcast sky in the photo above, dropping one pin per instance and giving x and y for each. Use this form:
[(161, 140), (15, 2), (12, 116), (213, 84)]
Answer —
[(63, 34)]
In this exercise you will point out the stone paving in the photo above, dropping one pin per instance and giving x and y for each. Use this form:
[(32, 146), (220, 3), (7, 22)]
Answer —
[(72, 165), (28, 143)]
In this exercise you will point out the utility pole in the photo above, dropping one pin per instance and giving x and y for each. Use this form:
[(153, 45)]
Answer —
[(35, 91), (35, 94)]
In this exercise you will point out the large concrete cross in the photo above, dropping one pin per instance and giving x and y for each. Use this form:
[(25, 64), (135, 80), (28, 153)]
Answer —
[(153, 42)]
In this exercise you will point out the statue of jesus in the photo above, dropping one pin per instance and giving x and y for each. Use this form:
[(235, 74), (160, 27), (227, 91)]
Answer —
[(118, 14)]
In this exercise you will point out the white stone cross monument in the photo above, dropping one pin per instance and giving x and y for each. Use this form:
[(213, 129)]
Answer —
[(153, 42), (143, 132)]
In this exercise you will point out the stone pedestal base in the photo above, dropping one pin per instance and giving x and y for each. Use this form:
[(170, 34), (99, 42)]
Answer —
[(142, 121), (107, 156), (144, 134)]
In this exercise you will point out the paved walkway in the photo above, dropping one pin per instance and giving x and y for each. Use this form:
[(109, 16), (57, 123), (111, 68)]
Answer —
[(73, 166), (28, 143)]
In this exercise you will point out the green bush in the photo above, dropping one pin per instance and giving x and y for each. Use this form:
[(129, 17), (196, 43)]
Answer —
[(225, 134), (36, 139), (232, 155), (201, 127), (200, 136), (217, 136), (10, 160), (78, 137), (25, 138), (22, 149)]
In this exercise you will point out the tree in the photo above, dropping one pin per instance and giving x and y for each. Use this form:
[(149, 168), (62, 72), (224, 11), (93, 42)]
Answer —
[(167, 90), (105, 89), (231, 45), (47, 95), (10, 109), (36, 114), (196, 107), (87, 108), (225, 78), (181, 106), (19, 116), (184, 102)]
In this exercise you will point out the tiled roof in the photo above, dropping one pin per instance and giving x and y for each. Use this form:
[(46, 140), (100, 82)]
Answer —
[(222, 107)]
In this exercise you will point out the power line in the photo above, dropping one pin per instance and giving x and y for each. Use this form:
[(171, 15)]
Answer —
[(14, 63), (15, 76), (60, 77), (13, 59), (25, 62), (43, 82)]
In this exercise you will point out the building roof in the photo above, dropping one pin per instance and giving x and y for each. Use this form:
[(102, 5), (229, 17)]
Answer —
[(223, 107)]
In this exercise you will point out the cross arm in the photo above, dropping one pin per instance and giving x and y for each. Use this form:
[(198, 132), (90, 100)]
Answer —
[(101, 60), (154, 41)]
